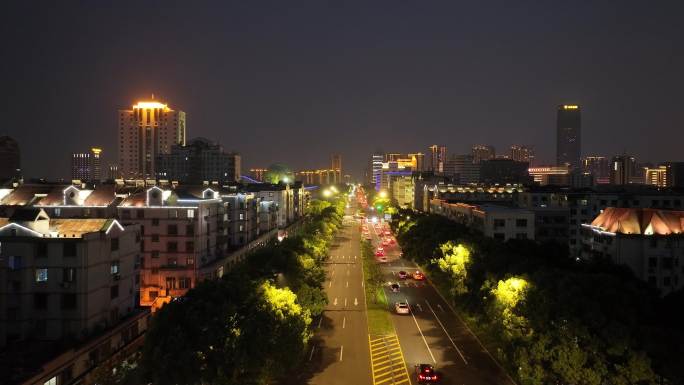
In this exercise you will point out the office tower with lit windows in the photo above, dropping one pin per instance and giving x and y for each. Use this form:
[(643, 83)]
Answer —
[(656, 176), (568, 136), (522, 154), (483, 152), (376, 161), (146, 131), (86, 166)]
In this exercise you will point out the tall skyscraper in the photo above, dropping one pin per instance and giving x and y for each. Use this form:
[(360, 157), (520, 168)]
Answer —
[(622, 169), (483, 152), (145, 132), (376, 170), (438, 158), (522, 154), (199, 161), (10, 159), (568, 136), (85, 166), (336, 165)]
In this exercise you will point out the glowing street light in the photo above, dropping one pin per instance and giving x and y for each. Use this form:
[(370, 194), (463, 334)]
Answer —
[(327, 193), (383, 194)]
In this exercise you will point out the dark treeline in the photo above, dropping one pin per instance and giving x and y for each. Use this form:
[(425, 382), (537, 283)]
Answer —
[(549, 318)]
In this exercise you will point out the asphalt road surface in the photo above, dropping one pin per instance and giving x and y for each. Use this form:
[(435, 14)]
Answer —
[(433, 333), (340, 349)]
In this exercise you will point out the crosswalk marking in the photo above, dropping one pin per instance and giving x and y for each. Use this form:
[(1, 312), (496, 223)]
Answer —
[(387, 360)]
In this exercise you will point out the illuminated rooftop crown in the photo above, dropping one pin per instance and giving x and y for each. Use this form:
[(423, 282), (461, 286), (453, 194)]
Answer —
[(151, 104)]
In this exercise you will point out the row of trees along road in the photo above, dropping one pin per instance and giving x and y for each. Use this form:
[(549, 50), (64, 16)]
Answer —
[(251, 326), (549, 318)]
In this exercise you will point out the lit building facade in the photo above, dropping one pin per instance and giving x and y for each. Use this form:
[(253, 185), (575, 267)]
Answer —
[(438, 158), (463, 169), (146, 131), (494, 221), (569, 136), (598, 167), (86, 166), (376, 161), (550, 175), (622, 169), (656, 176)]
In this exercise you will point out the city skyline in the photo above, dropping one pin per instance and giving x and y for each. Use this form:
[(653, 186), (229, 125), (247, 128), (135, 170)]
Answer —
[(451, 78)]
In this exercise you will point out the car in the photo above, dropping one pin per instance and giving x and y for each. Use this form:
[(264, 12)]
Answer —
[(402, 308), (392, 241), (418, 276), (379, 253), (382, 259), (426, 374), (394, 287), (385, 242), (402, 274)]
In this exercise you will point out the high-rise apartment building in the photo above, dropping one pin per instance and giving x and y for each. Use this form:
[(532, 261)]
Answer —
[(522, 154), (622, 170), (438, 158), (145, 132), (376, 170), (10, 160), (598, 167), (483, 152), (463, 168), (568, 136), (199, 161), (86, 166)]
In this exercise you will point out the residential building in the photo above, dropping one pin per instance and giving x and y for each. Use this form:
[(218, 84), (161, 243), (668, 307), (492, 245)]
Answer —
[(438, 157), (504, 171), (199, 161), (462, 169), (403, 191), (146, 131), (375, 168), (242, 217), (10, 160), (521, 153), (568, 136), (656, 176), (675, 174), (494, 221), (257, 174), (623, 169), (649, 241), (281, 197), (181, 231), (65, 277), (598, 167), (483, 152)]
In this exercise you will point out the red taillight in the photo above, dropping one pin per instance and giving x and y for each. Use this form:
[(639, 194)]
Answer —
[(422, 377)]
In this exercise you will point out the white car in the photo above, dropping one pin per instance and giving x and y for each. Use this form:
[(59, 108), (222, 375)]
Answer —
[(402, 308)]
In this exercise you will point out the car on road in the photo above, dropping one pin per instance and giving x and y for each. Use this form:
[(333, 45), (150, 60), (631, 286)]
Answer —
[(426, 374), (392, 241), (385, 242), (418, 276), (382, 259), (402, 308), (402, 274), (379, 253), (394, 287)]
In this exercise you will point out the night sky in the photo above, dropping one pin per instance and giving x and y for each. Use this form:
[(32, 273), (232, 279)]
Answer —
[(292, 82)]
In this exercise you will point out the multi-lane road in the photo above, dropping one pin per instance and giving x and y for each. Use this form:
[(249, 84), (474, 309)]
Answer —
[(342, 351)]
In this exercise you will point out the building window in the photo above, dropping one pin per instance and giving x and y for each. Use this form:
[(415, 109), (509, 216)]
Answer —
[(41, 275), (172, 247), (521, 223), (155, 221), (190, 246), (190, 261), (69, 249), (184, 283), (140, 214), (190, 230), (499, 223), (155, 253), (500, 236), (114, 267), (41, 249), (242, 216), (652, 262), (113, 291), (40, 301), (172, 261), (170, 283), (114, 245), (153, 295), (68, 274), (68, 301), (172, 230), (173, 213), (52, 381), (653, 243), (191, 213), (14, 262), (520, 236), (155, 237), (241, 227), (666, 281)]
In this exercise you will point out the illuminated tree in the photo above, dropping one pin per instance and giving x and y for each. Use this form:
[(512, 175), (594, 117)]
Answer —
[(455, 261), (508, 295)]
